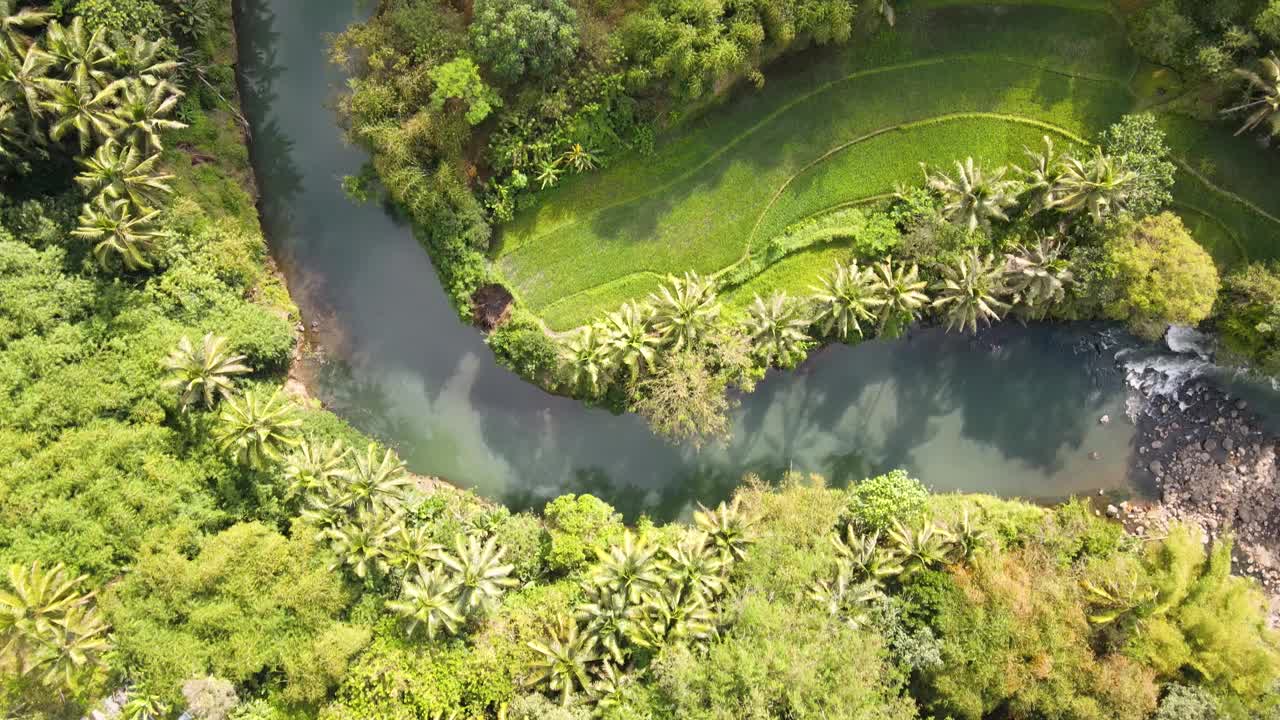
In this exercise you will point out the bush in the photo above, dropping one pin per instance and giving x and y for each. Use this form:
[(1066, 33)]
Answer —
[(209, 698), (459, 79), (578, 526), (1138, 142), (876, 502), (125, 17), (1249, 315), (1161, 275), (522, 347), (524, 37), (1181, 702)]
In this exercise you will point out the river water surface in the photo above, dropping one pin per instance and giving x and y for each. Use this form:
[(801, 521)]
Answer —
[(1014, 412)]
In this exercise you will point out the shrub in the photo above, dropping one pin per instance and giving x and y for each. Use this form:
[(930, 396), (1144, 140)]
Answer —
[(522, 347), (1249, 315), (1162, 276), (1139, 143), (125, 17), (876, 502), (578, 526), (524, 37), (459, 79), (209, 698), (1181, 702)]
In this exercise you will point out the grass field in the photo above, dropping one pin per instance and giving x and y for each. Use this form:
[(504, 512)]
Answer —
[(834, 127)]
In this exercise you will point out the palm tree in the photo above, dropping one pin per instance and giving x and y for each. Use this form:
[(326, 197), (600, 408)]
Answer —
[(628, 568), (921, 549), (257, 429), (866, 558), (846, 599), (902, 292), (670, 614), (16, 138), (314, 466), (1042, 177), (885, 9), (17, 23), (481, 576), (142, 113), (48, 628), (81, 53), (969, 292), (83, 108), (121, 171), (203, 373), (1037, 275), (695, 565), (605, 616), (142, 704), (610, 681), (968, 538), (1120, 600), (727, 528), (588, 357), (145, 60), (429, 602), (413, 547), (1263, 96), (1101, 186), (116, 229), (847, 298), (549, 173), (563, 661), (685, 310), (779, 330), (373, 482), (579, 158), (631, 343), (22, 74), (974, 197), (361, 543)]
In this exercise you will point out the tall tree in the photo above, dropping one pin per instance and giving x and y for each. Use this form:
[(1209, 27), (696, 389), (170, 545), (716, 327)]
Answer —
[(1263, 96), (143, 114), (83, 108), (970, 292), (686, 309), (1037, 275), (205, 372), (1100, 186), (903, 293), (257, 428), (847, 298), (631, 340), (122, 171), (118, 231), (974, 197), (779, 329), (563, 660)]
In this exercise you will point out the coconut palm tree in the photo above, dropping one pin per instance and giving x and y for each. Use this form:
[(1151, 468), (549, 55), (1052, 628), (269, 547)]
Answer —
[(314, 466), (631, 342), (1100, 186), (374, 481), (902, 292), (628, 568), (866, 558), (1037, 275), (361, 543), (82, 108), (847, 298), (143, 113), (845, 598), (921, 549), (82, 54), (579, 158), (49, 629), (429, 601), (145, 60), (778, 329), (481, 576), (564, 660), (117, 230), (549, 173), (695, 565), (685, 310), (727, 528), (604, 617), (610, 682), (22, 74), (413, 547), (1041, 177), (969, 292), (588, 357), (257, 428), (974, 197), (968, 538), (142, 704), (122, 172), (17, 23), (1262, 96), (205, 372), (670, 614)]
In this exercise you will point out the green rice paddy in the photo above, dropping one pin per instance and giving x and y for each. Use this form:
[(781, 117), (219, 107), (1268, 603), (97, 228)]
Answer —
[(840, 126)]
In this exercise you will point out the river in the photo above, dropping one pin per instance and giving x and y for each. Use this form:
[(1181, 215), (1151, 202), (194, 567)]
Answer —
[(1014, 412)]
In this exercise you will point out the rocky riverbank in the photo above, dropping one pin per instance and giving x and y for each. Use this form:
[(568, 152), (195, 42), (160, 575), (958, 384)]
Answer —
[(1210, 463)]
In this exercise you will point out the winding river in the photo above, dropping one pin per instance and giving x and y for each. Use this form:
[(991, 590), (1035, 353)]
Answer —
[(1015, 411)]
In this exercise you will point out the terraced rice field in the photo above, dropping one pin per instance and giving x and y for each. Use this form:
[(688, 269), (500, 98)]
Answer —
[(837, 127)]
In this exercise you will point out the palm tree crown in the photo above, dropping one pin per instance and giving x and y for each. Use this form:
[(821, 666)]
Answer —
[(429, 602), (969, 292), (1037, 275), (257, 428), (847, 298), (685, 309), (122, 171), (1100, 186), (482, 577), (563, 660), (779, 329), (902, 292), (203, 372), (631, 342), (1263, 101), (974, 197), (588, 356), (143, 113), (48, 628), (118, 231)]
